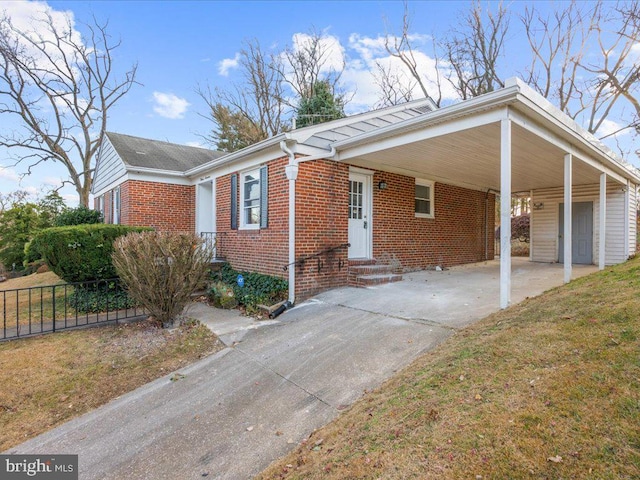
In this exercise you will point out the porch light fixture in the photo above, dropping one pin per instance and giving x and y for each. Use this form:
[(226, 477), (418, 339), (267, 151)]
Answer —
[(382, 185)]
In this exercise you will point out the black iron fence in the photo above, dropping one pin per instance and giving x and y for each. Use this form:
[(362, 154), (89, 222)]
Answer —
[(49, 308)]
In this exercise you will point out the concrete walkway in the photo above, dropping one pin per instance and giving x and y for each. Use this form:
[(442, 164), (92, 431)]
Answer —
[(236, 411)]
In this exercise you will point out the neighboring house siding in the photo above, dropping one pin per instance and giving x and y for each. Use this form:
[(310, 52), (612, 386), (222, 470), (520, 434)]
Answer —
[(545, 222), (633, 224), (163, 206), (110, 168), (462, 230)]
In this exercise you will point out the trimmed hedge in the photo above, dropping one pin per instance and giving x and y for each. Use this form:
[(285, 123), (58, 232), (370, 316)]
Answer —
[(80, 253)]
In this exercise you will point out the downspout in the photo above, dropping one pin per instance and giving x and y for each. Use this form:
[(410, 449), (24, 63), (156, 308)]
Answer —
[(291, 171)]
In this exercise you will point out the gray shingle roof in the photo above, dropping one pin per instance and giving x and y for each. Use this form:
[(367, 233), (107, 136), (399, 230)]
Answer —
[(145, 153)]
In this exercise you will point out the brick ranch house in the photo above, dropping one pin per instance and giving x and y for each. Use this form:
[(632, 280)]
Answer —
[(411, 186)]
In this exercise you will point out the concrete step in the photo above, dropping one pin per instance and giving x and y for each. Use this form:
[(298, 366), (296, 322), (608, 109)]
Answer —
[(355, 262), (376, 269), (380, 279)]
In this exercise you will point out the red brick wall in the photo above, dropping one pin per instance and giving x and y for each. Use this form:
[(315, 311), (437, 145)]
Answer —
[(455, 235), (264, 250), (162, 206), (321, 196)]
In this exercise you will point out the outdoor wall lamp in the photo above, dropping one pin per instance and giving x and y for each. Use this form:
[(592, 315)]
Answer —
[(382, 185)]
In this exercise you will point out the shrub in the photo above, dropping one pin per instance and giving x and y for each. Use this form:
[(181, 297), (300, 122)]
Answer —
[(78, 216), (223, 296), (80, 253), (258, 288), (519, 228), (99, 297), (162, 269)]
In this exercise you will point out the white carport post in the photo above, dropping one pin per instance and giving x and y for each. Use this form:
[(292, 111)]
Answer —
[(568, 254), (505, 212), (602, 221)]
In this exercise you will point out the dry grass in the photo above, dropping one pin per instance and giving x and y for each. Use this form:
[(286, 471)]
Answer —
[(50, 379), (19, 306), (548, 389)]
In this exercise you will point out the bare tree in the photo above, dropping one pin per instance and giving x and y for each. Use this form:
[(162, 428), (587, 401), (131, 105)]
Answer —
[(615, 75), (7, 200), (395, 86), (257, 100), (401, 48), (59, 87), (474, 50), (308, 63), (558, 44)]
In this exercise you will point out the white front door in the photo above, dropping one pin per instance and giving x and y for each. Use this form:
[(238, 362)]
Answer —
[(359, 215)]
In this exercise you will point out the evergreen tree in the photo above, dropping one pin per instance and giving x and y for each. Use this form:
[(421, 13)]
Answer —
[(321, 106)]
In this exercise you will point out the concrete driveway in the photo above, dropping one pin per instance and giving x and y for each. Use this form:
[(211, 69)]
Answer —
[(236, 411)]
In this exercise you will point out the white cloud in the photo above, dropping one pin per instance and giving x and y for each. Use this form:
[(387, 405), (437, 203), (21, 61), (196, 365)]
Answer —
[(9, 174), (195, 144), (169, 105), (227, 64), (32, 18), (333, 51), (609, 128), (369, 51)]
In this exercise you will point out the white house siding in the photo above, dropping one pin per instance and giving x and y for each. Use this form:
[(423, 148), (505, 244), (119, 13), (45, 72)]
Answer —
[(544, 233), (111, 168), (633, 223)]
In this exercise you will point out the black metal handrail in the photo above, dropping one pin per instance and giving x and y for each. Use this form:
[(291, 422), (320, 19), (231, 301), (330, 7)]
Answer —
[(49, 308), (300, 261)]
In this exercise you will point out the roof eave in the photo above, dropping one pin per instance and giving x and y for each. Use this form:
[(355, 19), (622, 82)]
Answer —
[(238, 155)]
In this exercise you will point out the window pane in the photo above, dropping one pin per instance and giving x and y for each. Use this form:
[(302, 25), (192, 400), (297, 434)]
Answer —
[(422, 191), (251, 197), (423, 206)]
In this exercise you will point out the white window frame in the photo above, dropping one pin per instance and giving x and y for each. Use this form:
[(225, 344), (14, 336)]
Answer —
[(255, 172), (116, 204), (101, 205), (431, 185)]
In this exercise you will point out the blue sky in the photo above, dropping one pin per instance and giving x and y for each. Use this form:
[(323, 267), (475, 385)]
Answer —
[(179, 45)]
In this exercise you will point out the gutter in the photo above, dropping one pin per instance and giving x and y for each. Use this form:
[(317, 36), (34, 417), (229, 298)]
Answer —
[(230, 157), (291, 171)]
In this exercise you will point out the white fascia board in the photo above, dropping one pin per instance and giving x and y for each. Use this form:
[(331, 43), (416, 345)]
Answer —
[(426, 132), (207, 168), (240, 163), (157, 177)]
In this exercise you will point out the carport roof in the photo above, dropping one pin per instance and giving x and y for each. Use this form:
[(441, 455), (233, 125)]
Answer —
[(461, 144)]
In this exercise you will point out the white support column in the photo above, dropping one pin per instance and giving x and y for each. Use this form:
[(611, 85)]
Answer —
[(568, 253), (505, 213), (602, 227)]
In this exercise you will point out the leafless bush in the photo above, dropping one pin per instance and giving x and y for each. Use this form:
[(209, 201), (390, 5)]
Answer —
[(162, 270)]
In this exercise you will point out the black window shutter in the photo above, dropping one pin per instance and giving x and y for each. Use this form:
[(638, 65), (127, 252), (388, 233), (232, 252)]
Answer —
[(264, 200), (234, 201)]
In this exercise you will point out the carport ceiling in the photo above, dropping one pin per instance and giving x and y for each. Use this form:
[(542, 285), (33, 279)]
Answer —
[(471, 158)]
